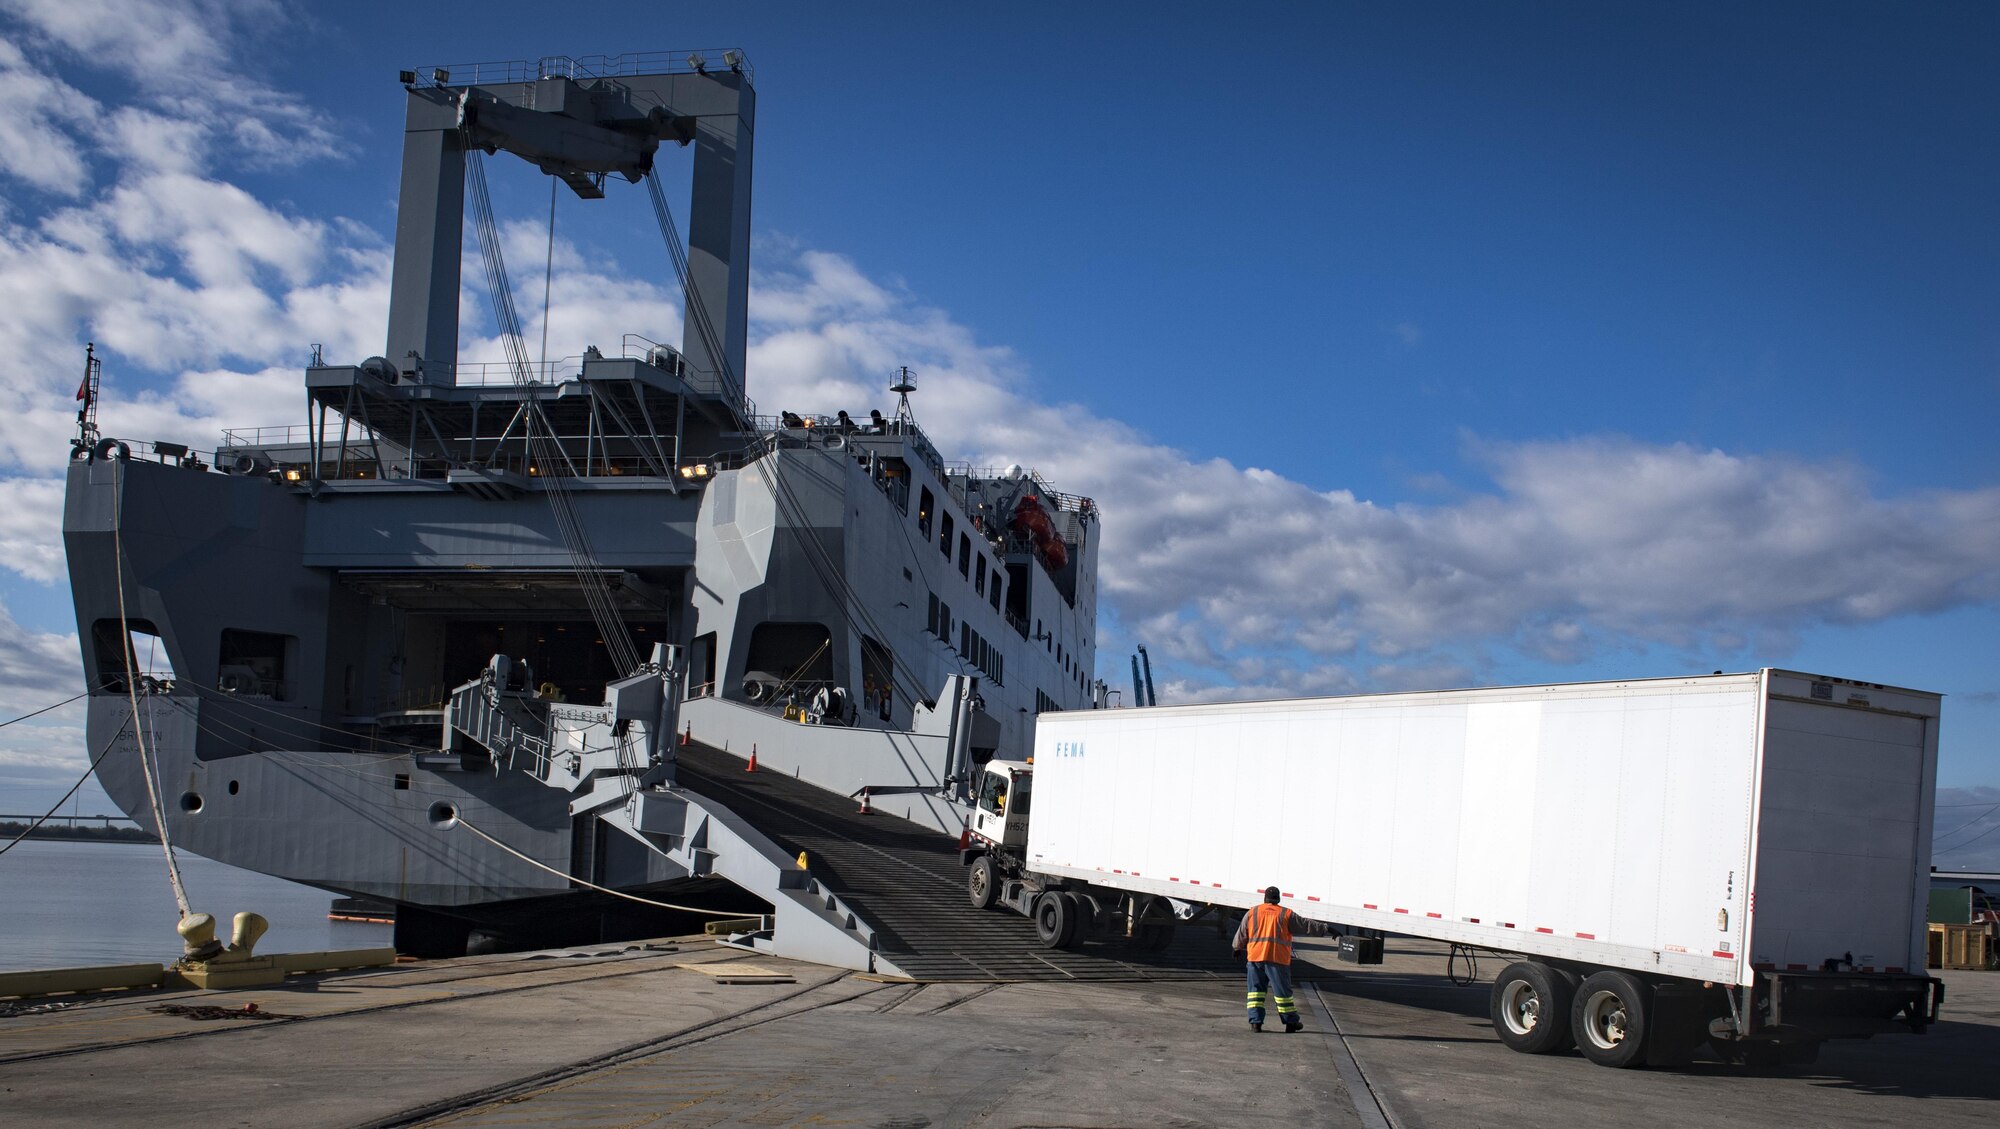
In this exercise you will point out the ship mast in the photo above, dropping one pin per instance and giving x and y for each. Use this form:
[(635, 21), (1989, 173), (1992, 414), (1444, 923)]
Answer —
[(86, 392)]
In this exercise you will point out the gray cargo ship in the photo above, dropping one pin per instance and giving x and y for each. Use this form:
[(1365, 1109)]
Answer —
[(439, 644)]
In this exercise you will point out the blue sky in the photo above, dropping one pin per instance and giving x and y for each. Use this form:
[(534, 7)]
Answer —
[(1410, 345)]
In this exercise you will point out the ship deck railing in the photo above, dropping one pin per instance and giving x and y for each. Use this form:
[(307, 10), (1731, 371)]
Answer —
[(960, 473), (584, 68), (795, 429)]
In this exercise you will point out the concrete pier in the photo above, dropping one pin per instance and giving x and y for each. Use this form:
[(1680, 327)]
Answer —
[(627, 1035)]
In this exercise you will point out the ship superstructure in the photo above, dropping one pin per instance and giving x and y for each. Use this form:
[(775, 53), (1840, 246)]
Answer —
[(437, 645)]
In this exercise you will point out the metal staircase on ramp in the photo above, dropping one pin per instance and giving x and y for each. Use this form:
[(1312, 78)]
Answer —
[(607, 759), (906, 883)]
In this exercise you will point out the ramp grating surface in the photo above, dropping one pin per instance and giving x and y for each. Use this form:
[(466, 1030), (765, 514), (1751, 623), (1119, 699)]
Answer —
[(907, 882)]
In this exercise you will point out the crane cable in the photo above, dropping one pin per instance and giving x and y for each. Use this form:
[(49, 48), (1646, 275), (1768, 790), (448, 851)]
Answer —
[(147, 762), (816, 555), (696, 308), (576, 539)]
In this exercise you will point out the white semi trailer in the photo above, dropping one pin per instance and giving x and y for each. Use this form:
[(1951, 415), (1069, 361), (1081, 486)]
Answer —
[(1736, 858)]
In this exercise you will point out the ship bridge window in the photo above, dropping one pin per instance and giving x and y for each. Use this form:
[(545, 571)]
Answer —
[(926, 502), (253, 663), (143, 650)]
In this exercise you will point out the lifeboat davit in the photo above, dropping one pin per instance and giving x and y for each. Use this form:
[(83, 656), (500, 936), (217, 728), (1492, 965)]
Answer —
[(1032, 522)]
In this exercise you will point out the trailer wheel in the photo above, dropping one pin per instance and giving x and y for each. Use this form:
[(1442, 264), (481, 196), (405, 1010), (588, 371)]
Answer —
[(981, 883), (1530, 1008), (1055, 919), (1610, 1018)]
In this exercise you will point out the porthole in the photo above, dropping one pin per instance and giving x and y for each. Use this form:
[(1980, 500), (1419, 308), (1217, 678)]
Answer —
[(443, 815), (190, 802), (234, 787)]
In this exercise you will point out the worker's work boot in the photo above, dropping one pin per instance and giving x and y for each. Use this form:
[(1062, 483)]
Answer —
[(1291, 1027), (1257, 1027)]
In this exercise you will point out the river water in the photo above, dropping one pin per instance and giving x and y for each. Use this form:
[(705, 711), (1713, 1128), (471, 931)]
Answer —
[(67, 904)]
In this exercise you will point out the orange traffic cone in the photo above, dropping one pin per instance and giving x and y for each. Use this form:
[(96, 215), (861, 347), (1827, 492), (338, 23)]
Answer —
[(752, 766), (965, 836), (864, 803), (687, 735)]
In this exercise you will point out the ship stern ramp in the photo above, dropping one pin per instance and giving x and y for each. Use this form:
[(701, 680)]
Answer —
[(905, 882), (904, 771), (849, 886)]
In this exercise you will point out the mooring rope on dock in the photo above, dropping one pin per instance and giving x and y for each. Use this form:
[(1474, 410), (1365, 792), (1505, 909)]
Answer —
[(148, 766), (467, 824), (50, 814)]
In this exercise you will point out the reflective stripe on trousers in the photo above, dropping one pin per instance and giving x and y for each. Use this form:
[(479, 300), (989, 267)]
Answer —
[(1270, 983)]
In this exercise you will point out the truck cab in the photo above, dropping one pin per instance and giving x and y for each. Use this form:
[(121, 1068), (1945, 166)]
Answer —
[(1000, 805)]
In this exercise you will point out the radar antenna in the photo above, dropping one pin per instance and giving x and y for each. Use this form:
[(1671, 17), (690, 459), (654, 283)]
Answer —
[(906, 383)]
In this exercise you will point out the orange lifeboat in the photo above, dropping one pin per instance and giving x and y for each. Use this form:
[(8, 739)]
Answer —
[(1032, 522)]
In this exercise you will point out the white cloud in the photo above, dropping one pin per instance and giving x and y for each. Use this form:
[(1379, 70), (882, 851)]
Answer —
[(37, 670), (1249, 581), (36, 667), (40, 110), (1582, 545), (31, 527), (192, 61)]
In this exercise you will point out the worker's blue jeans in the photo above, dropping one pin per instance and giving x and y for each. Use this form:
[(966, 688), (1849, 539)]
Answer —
[(1271, 983)]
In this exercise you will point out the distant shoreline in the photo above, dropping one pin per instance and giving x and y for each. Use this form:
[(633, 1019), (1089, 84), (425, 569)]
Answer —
[(9, 831)]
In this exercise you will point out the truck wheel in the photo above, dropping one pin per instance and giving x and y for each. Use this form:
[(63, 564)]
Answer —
[(1082, 916), (981, 884), (1055, 920), (1530, 1007), (1610, 1018)]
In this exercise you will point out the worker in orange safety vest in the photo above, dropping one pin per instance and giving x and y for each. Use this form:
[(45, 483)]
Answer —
[(1265, 940)]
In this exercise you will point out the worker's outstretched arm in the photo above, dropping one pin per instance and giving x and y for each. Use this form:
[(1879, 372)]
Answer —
[(1304, 928)]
